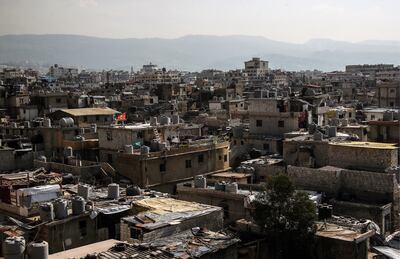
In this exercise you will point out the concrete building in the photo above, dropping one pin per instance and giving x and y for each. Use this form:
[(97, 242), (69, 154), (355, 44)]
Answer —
[(84, 117), (204, 245), (389, 94), (153, 217), (310, 152), (359, 194), (236, 203), (255, 68)]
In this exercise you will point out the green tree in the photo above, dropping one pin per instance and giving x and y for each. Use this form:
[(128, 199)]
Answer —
[(287, 217)]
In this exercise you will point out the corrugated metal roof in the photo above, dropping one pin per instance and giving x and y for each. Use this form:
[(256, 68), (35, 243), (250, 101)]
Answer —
[(90, 111)]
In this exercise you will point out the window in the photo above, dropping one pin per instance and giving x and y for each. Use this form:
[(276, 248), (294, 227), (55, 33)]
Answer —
[(258, 123), (372, 117), (201, 158), (392, 90), (241, 142), (109, 136), (58, 100), (225, 158), (219, 157), (391, 104), (234, 142), (136, 233), (281, 124), (188, 163), (82, 228), (85, 118), (162, 167), (266, 146)]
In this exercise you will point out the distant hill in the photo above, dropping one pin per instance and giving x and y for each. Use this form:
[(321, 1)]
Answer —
[(193, 52)]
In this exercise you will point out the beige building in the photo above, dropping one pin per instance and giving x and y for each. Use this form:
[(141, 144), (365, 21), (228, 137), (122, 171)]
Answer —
[(87, 116), (389, 94)]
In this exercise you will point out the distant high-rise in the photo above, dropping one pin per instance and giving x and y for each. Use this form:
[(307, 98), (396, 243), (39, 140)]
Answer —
[(256, 68)]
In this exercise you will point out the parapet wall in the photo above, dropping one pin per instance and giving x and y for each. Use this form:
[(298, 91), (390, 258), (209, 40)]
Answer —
[(360, 185)]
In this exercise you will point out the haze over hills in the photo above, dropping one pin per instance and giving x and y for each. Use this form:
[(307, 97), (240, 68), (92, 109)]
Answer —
[(193, 52)]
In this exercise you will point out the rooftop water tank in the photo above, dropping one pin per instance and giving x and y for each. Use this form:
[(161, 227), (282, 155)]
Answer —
[(46, 212), (14, 248), (113, 191), (162, 146), (60, 208), (69, 152), (219, 186), (175, 119), (133, 191), (128, 149), (200, 181), (84, 191), (332, 131), (231, 187), (47, 123), (38, 250), (42, 159), (94, 127), (66, 122), (153, 121), (388, 116), (78, 205), (144, 150), (165, 120)]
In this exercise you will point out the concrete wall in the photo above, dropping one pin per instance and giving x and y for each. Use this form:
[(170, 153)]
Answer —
[(11, 160), (375, 159), (233, 204), (361, 185), (68, 234), (322, 153), (145, 171)]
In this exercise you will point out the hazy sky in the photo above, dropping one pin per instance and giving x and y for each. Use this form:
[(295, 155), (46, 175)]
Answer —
[(289, 20)]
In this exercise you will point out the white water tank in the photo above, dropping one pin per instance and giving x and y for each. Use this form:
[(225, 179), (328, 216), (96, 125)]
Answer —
[(42, 159), (38, 250), (84, 191), (14, 248), (66, 122), (60, 208), (93, 127), (47, 123), (113, 191), (46, 212), (128, 149), (78, 205)]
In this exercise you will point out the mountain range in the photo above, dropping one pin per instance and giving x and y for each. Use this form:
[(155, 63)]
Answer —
[(192, 52)]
